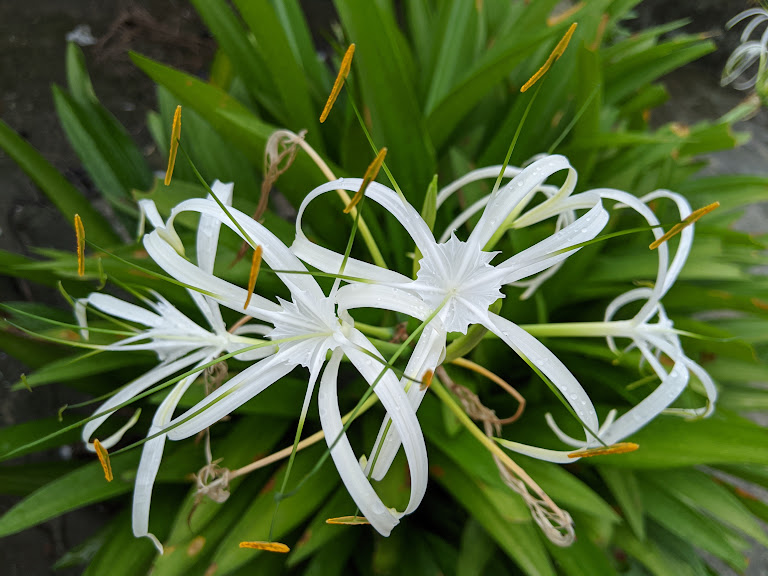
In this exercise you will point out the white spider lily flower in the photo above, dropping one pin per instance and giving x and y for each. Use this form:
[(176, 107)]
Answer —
[(179, 343), (651, 338), (748, 54), (305, 330), (456, 279)]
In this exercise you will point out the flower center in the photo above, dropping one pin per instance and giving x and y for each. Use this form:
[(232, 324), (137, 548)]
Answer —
[(313, 325), (461, 279)]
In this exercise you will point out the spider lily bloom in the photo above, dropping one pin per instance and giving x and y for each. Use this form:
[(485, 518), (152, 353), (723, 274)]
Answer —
[(180, 345), (305, 330), (651, 338), (748, 54), (457, 281)]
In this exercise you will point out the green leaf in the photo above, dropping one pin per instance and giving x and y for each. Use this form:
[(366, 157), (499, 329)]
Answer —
[(692, 526), (512, 528), (67, 199), (699, 491), (23, 479), (284, 70), (671, 442), (254, 522), (476, 550), (384, 71), (623, 485), (87, 485), (21, 434)]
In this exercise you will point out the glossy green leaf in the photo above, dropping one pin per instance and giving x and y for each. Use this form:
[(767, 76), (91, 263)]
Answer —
[(59, 191), (624, 487)]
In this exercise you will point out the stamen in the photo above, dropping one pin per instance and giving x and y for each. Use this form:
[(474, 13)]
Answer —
[(346, 65), (677, 228), (619, 448), (266, 546), (370, 176), (103, 455), (426, 380), (553, 57), (555, 20), (175, 135), (348, 521), (255, 265), (80, 233)]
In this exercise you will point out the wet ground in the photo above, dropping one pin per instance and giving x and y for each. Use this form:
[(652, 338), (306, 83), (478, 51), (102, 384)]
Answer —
[(32, 44)]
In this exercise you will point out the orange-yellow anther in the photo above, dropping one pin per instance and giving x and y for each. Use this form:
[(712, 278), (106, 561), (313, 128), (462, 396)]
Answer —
[(677, 228), (348, 520), (619, 448), (266, 546), (346, 66), (175, 135), (370, 176), (80, 234), (553, 57), (426, 380), (103, 456), (255, 266)]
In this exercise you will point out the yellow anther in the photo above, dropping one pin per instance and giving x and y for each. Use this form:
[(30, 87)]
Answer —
[(554, 56), (175, 135), (266, 546), (555, 20), (348, 520), (103, 455), (255, 266), (346, 66), (370, 176), (80, 234), (426, 380), (677, 228), (619, 448)]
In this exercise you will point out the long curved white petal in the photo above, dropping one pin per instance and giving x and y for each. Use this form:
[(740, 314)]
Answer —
[(276, 254), (395, 402), (548, 252), (354, 296), (529, 347), (426, 356), (230, 396), (507, 198), (402, 211), (141, 383), (381, 518), (224, 292), (151, 456), (555, 456)]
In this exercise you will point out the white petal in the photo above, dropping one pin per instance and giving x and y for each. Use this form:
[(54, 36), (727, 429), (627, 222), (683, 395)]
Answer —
[(224, 292), (358, 486), (650, 407), (401, 210), (633, 202), (396, 403), (426, 356), (149, 211), (545, 254), (209, 227), (507, 198), (125, 310), (151, 456), (136, 387), (529, 347), (474, 176), (230, 396), (327, 260), (556, 456), (686, 236), (385, 297)]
